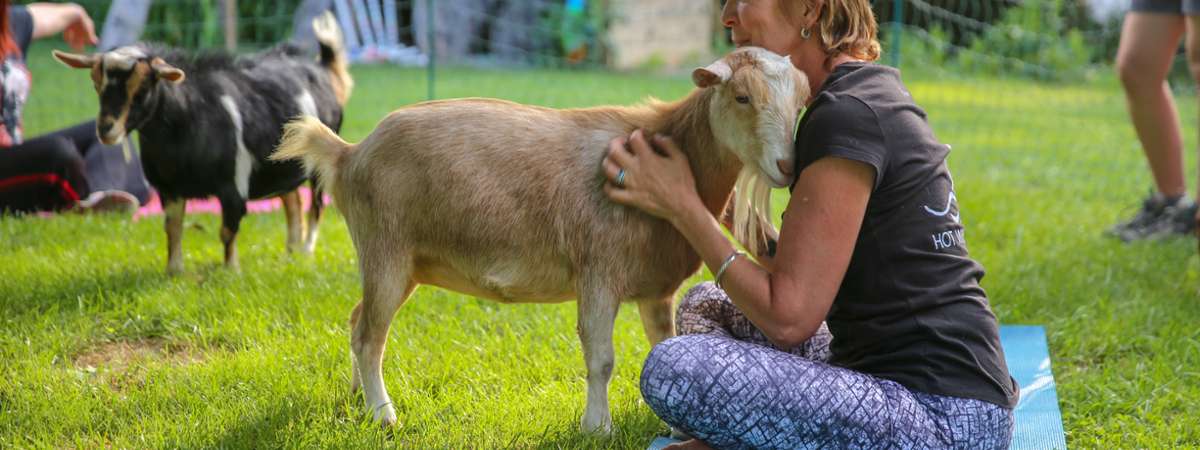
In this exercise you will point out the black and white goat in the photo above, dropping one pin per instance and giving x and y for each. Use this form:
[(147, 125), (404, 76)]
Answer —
[(211, 136)]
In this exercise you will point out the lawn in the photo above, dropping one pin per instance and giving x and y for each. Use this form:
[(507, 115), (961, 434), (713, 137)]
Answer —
[(99, 348)]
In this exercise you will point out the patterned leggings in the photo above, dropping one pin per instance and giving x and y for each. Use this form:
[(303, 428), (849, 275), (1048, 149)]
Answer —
[(723, 382)]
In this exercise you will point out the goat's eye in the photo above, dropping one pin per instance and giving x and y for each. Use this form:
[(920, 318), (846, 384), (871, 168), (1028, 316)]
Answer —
[(743, 99)]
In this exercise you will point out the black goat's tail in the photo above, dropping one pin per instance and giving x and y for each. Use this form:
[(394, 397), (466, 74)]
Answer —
[(317, 147), (333, 55)]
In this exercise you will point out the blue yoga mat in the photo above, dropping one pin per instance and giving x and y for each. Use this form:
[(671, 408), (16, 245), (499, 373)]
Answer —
[(1039, 422)]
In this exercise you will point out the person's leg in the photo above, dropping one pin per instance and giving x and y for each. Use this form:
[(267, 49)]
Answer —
[(734, 394), (1147, 47), (706, 309), (41, 174), (1149, 40), (83, 135), (108, 167), (1189, 218)]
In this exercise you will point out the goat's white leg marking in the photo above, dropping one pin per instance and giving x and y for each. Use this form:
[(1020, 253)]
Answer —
[(310, 243), (597, 311), (244, 163), (355, 375), (385, 287), (308, 107), (656, 319), (174, 212)]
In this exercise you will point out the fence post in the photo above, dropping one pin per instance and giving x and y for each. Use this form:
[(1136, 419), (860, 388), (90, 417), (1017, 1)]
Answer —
[(897, 25), (430, 69), (230, 21)]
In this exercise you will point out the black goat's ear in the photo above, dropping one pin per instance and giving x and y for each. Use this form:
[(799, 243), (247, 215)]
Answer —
[(167, 71), (76, 60)]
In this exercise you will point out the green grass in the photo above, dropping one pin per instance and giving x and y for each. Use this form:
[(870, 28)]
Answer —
[(259, 359)]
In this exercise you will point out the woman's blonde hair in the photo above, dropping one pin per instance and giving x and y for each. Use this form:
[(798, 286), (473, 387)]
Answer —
[(844, 26)]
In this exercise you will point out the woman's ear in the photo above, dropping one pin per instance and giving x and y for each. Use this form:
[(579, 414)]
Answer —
[(812, 16)]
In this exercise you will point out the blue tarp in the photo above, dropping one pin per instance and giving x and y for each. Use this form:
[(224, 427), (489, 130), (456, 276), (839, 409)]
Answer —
[(1038, 420)]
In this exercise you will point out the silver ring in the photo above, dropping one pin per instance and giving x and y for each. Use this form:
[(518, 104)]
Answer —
[(620, 181)]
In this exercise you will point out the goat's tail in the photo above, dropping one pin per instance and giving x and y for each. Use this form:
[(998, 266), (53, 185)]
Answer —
[(333, 55), (317, 147)]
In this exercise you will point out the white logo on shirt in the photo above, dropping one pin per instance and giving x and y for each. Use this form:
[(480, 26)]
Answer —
[(949, 201), (947, 238)]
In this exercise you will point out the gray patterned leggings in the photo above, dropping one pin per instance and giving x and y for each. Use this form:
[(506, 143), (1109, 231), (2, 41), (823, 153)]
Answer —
[(723, 382)]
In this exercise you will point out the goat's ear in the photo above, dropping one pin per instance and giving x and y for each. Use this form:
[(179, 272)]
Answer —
[(76, 60), (167, 71), (716, 73)]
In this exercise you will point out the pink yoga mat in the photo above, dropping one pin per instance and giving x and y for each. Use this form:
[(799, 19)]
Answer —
[(212, 206)]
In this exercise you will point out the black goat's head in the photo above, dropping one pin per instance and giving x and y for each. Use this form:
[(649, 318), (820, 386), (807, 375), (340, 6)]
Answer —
[(124, 79)]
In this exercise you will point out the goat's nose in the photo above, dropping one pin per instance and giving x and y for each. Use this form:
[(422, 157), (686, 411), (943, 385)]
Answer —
[(786, 166)]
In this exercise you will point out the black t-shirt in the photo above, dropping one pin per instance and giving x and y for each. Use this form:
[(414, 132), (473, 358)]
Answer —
[(15, 80), (910, 308)]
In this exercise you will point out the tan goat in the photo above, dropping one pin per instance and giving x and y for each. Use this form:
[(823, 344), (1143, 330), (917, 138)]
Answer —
[(503, 201)]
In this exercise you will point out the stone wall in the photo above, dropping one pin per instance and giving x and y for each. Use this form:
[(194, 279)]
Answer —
[(671, 32)]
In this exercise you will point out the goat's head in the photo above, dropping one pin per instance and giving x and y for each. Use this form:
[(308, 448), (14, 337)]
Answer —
[(757, 98), (124, 79)]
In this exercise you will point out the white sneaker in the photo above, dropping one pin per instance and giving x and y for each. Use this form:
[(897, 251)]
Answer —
[(108, 202)]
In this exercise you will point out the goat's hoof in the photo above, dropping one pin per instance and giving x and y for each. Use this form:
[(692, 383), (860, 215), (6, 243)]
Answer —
[(385, 416), (175, 269), (601, 427)]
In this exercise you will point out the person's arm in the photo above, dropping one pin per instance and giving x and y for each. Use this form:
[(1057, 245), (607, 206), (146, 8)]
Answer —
[(69, 19), (817, 239), (770, 237)]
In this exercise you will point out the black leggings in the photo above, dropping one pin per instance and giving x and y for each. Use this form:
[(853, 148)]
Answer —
[(54, 171)]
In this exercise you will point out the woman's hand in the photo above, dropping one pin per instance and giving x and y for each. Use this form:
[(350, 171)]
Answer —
[(657, 182), (81, 32), (70, 19)]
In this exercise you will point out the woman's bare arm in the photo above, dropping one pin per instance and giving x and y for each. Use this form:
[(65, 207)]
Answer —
[(816, 241), (69, 19)]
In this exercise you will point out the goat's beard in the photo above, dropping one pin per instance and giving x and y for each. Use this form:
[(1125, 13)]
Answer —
[(751, 209)]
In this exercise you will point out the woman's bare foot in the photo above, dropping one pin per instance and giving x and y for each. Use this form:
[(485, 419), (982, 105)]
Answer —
[(692, 444)]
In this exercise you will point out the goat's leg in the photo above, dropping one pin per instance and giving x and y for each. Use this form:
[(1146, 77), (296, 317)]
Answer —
[(385, 288), (316, 207), (355, 377), (233, 208), (293, 211), (597, 311), (656, 319), (174, 210)]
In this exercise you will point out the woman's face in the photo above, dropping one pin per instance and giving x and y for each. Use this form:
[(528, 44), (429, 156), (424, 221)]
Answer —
[(759, 23)]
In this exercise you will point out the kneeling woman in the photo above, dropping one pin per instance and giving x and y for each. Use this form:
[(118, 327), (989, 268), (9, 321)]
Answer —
[(868, 328)]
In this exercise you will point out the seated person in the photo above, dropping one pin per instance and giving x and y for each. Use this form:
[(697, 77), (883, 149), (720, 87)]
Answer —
[(67, 169)]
